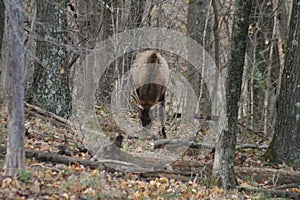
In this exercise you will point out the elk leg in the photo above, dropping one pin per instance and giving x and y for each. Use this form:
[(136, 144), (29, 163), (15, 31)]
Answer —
[(162, 119), (145, 118)]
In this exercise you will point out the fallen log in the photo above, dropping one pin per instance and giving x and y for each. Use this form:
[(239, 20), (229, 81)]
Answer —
[(62, 159), (269, 175), (153, 167), (39, 112), (192, 144), (271, 193)]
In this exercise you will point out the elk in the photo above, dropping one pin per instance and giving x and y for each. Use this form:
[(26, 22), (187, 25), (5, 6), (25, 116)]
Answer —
[(149, 76)]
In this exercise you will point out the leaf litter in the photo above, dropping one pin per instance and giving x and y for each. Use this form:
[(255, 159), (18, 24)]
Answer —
[(46, 180)]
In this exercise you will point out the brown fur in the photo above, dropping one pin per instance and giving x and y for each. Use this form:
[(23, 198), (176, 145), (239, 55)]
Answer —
[(149, 77)]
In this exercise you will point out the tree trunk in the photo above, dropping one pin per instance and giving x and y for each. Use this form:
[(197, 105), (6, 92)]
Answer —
[(272, 74), (136, 13), (282, 33), (258, 64), (224, 156), (199, 29), (109, 17), (2, 24), (3, 89), (286, 140), (113, 24), (15, 156), (50, 87)]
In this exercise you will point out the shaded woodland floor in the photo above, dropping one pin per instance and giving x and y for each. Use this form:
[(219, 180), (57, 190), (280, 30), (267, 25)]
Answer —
[(67, 176)]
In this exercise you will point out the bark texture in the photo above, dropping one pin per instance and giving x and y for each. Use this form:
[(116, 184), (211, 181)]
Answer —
[(50, 86), (2, 65), (224, 156), (285, 146), (15, 156), (2, 23)]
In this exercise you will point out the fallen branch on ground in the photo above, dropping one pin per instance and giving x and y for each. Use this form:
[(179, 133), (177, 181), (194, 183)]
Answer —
[(151, 167), (271, 193), (37, 111), (273, 176), (192, 144), (62, 159)]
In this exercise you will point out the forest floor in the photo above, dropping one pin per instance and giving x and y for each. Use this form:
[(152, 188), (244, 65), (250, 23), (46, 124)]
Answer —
[(55, 180)]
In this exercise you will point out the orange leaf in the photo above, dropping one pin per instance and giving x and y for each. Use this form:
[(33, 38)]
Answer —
[(295, 190)]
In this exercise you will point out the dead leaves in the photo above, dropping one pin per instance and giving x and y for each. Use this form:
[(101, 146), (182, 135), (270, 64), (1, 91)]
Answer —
[(58, 181), (296, 190)]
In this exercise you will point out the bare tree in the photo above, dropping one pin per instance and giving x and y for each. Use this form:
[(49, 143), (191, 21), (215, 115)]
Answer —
[(199, 29), (225, 150), (109, 20), (137, 9), (15, 155), (2, 65), (2, 22), (113, 23), (286, 140), (263, 66), (50, 86)]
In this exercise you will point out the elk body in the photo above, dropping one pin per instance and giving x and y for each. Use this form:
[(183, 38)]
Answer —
[(149, 76)]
